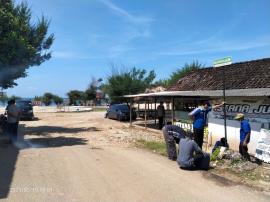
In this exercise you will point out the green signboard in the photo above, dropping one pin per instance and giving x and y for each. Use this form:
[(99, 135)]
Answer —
[(223, 62)]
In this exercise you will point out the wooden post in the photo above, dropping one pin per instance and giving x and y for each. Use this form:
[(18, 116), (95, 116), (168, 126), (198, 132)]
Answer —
[(172, 101), (145, 116), (148, 108), (130, 113), (155, 111)]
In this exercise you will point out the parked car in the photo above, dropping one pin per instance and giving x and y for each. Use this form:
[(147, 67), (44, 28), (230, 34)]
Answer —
[(26, 108), (120, 112)]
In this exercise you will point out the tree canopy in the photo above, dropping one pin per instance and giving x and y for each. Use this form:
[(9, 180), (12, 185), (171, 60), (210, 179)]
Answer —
[(125, 82), (76, 97), (5, 98), (23, 42), (49, 98), (181, 72), (91, 91)]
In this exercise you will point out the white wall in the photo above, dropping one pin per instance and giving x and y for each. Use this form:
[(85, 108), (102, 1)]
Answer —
[(216, 130), (257, 121), (55, 109)]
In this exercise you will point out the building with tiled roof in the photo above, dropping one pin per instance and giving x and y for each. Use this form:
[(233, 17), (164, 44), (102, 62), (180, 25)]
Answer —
[(243, 75), (247, 91)]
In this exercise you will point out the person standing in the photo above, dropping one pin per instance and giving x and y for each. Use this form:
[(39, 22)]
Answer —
[(199, 117), (245, 131), (13, 117), (161, 115), (172, 135)]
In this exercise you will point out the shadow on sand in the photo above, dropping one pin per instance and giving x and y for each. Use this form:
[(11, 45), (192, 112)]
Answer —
[(8, 158), (9, 153), (46, 130), (148, 125)]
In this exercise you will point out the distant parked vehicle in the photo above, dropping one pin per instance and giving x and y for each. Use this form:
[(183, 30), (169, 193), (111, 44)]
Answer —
[(120, 112), (26, 108)]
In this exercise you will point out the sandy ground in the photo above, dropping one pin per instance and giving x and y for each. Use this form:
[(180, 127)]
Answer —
[(84, 157)]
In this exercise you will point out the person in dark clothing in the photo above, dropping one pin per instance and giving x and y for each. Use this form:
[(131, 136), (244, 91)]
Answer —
[(245, 131), (13, 117), (191, 156), (199, 117), (172, 135), (220, 143), (160, 115)]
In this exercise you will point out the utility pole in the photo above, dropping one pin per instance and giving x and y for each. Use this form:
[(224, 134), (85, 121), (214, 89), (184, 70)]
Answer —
[(223, 63)]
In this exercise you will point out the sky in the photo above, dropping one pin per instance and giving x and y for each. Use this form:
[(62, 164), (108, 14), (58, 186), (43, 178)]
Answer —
[(91, 36)]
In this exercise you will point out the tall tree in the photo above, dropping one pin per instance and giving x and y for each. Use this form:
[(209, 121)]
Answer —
[(91, 91), (49, 98), (161, 82), (76, 97), (125, 82), (181, 72), (23, 42)]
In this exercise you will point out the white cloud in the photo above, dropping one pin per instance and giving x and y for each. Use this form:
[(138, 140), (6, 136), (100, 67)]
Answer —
[(121, 12), (204, 46), (135, 27)]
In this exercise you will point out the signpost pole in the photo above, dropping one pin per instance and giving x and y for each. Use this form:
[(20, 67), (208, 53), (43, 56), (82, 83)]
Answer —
[(155, 111), (224, 106), (222, 63), (130, 113)]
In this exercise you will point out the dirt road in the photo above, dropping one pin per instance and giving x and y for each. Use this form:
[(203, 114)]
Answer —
[(84, 157)]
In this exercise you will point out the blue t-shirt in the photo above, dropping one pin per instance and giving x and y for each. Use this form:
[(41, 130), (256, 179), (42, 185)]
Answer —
[(200, 115), (244, 130)]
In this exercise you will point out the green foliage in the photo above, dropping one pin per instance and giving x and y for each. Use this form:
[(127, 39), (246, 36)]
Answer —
[(76, 97), (38, 98), (14, 97), (5, 98), (157, 147), (23, 43), (181, 72), (215, 154), (91, 91), (48, 98), (127, 82), (162, 82)]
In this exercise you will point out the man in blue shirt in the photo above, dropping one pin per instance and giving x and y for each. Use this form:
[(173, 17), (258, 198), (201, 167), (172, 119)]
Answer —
[(172, 135), (199, 117), (245, 131)]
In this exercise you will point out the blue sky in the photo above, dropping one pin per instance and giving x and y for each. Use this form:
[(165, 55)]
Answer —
[(91, 35)]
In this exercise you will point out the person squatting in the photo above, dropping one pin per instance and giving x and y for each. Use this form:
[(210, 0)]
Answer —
[(190, 155)]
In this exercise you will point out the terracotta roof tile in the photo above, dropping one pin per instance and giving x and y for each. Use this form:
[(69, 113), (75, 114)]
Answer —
[(243, 75)]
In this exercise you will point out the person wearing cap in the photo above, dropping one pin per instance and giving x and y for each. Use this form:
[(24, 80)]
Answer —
[(172, 135), (199, 117), (245, 131)]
